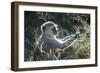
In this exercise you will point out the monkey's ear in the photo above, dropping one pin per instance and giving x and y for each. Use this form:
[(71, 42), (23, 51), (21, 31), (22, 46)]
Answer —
[(43, 28)]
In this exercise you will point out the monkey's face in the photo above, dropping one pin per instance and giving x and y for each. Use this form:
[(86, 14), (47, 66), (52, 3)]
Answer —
[(50, 28), (53, 30)]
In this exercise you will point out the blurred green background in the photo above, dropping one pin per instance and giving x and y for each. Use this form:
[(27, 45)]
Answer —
[(68, 23)]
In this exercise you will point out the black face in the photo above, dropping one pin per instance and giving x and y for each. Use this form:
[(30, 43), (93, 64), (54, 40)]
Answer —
[(54, 30)]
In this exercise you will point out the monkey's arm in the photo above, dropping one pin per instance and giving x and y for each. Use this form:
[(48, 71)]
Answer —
[(67, 37), (54, 43), (70, 41), (58, 43)]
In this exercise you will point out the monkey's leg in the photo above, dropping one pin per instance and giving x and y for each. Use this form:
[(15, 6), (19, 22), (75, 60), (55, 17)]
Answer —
[(52, 55)]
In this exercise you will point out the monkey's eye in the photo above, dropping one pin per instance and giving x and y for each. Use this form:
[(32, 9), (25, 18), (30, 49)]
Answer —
[(54, 30)]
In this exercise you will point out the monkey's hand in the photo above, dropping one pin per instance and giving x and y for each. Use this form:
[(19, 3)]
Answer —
[(71, 40), (77, 35)]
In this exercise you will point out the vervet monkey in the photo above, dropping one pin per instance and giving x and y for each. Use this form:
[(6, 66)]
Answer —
[(49, 39)]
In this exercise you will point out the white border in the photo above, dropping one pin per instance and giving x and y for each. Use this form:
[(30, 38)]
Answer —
[(23, 64)]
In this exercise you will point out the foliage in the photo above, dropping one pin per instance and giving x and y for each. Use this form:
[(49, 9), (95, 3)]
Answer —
[(67, 23)]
